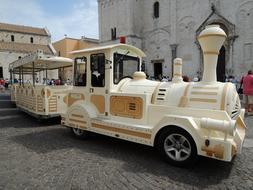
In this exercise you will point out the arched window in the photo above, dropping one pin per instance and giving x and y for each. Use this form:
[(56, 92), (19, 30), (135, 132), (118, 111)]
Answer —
[(113, 33), (31, 40), (12, 38), (156, 9)]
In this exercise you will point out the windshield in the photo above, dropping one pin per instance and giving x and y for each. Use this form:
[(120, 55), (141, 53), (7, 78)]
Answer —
[(124, 66)]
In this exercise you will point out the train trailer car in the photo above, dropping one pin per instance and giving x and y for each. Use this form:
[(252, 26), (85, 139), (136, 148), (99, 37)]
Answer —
[(182, 119), (38, 99)]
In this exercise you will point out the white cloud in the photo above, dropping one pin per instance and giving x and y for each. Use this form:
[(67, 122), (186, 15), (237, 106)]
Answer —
[(81, 20)]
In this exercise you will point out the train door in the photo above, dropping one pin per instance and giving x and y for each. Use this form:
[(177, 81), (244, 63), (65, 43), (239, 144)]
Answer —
[(97, 81), (80, 78)]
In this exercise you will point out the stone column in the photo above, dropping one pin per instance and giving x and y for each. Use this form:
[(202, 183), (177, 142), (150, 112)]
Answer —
[(231, 52), (173, 21)]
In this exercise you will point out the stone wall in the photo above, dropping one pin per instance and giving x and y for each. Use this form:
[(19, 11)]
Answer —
[(177, 26), (8, 57), (5, 59), (24, 38)]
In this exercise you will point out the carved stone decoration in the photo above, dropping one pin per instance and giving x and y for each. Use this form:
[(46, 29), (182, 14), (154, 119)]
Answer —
[(186, 26), (155, 40), (157, 47), (185, 37), (245, 17), (214, 4), (247, 52), (216, 18)]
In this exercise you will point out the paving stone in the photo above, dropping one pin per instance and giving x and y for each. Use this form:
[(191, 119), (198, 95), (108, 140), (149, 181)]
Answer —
[(44, 155)]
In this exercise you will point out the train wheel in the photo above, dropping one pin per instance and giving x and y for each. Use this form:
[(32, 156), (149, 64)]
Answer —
[(79, 133), (177, 147)]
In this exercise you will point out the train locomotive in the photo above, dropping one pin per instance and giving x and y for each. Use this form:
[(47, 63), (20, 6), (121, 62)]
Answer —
[(181, 119)]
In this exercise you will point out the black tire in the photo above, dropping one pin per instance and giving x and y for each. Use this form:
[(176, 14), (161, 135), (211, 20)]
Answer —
[(185, 150), (79, 133)]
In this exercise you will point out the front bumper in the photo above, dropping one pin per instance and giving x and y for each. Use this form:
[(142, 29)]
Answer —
[(225, 147)]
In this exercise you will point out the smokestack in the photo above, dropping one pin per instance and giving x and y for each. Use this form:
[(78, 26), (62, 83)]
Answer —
[(177, 70), (211, 40)]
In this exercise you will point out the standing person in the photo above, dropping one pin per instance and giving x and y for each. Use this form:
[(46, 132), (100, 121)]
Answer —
[(6, 83), (2, 83), (164, 79), (186, 78), (68, 82), (247, 82)]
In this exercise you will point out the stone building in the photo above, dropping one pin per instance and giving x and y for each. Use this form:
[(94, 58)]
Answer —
[(17, 41), (64, 46), (165, 29)]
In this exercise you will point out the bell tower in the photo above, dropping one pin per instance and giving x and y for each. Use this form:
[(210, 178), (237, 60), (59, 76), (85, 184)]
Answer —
[(120, 18)]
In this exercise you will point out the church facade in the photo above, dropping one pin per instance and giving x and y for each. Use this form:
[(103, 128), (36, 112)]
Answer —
[(166, 29), (17, 41)]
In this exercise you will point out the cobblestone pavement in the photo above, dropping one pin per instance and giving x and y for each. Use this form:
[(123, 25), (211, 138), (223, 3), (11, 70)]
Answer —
[(44, 155)]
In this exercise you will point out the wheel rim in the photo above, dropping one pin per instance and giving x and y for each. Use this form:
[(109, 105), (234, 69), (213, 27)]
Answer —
[(78, 132), (177, 147)]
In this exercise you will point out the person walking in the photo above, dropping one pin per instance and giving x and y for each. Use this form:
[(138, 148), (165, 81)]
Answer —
[(247, 83)]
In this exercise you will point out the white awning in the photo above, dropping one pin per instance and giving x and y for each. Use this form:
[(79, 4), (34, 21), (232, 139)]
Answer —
[(40, 62)]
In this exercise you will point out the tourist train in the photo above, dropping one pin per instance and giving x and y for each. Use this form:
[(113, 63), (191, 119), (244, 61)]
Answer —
[(111, 96)]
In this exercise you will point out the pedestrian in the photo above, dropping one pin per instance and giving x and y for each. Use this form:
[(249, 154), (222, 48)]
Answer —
[(2, 84), (68, 82), (247, 83), (196, 79), (186, 78), (6, 84), (233, 80), (164, 79)]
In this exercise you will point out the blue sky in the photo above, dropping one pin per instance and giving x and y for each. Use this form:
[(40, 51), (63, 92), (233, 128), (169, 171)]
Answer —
[(75, 18)]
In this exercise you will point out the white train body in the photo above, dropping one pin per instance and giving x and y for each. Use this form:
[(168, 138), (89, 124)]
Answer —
[(140, 110)]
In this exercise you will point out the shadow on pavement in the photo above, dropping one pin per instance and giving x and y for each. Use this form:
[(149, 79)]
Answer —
[(23, 120), (137, 158)]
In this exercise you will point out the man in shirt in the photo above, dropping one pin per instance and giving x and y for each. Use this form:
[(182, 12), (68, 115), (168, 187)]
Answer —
[(2, 82), (247, 82)]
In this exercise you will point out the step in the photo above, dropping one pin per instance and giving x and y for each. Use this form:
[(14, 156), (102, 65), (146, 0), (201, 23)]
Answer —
[(10, 117), (9, 111), (6, 104), (113, 123), (3, 97)]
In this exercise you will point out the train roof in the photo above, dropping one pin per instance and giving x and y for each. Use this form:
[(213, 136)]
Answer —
[(40, 61), (113, 46)]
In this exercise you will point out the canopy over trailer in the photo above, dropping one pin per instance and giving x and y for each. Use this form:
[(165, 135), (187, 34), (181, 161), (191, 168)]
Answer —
[(39, 100), (37, 62)]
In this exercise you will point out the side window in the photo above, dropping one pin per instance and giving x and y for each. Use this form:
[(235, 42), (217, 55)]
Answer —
[(113, 34), (97, 66), (12, 38), (80, 71)]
